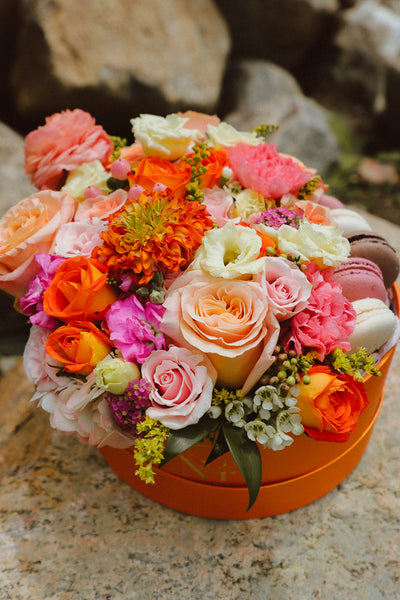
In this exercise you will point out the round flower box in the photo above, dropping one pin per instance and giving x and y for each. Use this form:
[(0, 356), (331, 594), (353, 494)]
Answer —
[(294, 477)]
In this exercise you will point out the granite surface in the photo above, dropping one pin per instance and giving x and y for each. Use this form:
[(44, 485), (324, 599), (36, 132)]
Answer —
[(71, 530)]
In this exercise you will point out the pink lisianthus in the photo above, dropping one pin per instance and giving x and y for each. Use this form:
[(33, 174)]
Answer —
[(262, 169), (327, 321), (229, 321), (100, 206), (219, 205), (181, 386), (29, 228), (79, 238), (32, 302), (67, 140), (286, 287), (134, 328)]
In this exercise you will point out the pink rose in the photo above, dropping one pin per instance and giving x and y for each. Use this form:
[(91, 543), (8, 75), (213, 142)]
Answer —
[(29, 228), (327, 321), (286, 287), (67, 140), (267, 172), (219, 205), (181, 387), (227, 320), (79, 238), (100, 206)]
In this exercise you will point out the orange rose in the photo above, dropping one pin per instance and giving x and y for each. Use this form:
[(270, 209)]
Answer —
[(79, 346), (79, 291), (215, 164), (331, 404), (152, 170)]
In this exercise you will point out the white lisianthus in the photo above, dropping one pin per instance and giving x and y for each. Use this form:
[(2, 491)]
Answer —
[(226, 135), (164, 137), (91, 173), (114, 374), (325, 244), (230, 252), (248, 202)]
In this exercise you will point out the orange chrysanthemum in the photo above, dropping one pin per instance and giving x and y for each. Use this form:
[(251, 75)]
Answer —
[(153, 233)]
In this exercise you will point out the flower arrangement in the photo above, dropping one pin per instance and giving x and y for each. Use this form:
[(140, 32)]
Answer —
[(182, 288)]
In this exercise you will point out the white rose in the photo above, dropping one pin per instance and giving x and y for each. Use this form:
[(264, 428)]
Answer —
[(324, 244), (230, 252), (226, 135), (164, 137), (91, 173)]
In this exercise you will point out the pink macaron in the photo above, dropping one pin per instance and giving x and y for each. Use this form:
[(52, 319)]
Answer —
[(367, 244), (361, 278)]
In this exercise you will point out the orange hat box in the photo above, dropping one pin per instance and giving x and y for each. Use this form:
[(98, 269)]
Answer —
[(291, 478)]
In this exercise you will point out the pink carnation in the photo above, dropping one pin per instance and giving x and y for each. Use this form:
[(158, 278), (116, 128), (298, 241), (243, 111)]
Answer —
[(327, 321), (134, 328), (67, 140), (267, 172)]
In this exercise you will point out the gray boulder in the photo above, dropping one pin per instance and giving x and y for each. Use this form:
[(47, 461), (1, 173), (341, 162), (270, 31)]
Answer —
[(368, 64), (14, 184), (120, 56)]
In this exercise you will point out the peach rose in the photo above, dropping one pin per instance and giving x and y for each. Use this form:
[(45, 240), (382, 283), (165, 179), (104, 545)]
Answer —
[(152, 170), (331, 404), (78, 346), (79, 291), (199, 121), (66, 141), (29, 228), (101, 206), (227, 320)]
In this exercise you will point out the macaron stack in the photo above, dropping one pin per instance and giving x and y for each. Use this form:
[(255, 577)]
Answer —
[(366, 279)]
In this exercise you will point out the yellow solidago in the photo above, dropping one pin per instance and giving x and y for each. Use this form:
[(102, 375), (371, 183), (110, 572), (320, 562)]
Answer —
[(309, 188), (225, 396), (149, 449), (357, 364)]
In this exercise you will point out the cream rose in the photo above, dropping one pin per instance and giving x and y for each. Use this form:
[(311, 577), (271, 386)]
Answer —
[(29, 228), (324, 244), (165, 137), (231, 252), (248, 202), (229, 321), (114, 374), (226, 135), (87, 174)]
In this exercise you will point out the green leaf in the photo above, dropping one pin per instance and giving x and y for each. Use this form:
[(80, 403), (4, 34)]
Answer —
[(219, 448), (247, 457), (180, 440)]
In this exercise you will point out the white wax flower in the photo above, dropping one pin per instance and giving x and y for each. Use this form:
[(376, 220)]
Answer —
[(91, 173), (226, 135), (165, 137), (230, 252), (324, 244)]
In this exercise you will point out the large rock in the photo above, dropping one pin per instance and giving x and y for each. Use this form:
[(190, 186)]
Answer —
[(120, 57), (282, 31), (249, 82), (14, 185), (368, 63), (303, 132)]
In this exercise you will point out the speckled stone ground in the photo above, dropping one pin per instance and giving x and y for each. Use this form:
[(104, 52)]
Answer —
[(71, 530)]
